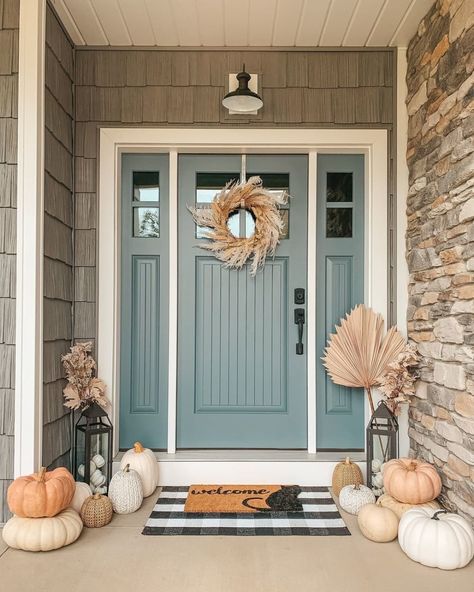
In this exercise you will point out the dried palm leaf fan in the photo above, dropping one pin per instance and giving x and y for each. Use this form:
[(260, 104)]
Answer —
[(358, 354)]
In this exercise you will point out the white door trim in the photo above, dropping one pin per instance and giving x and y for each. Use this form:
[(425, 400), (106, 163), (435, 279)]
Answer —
[(29, 257), (372, 143)]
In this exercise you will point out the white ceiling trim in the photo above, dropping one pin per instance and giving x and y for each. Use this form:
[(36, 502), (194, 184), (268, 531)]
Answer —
[(242, 23)]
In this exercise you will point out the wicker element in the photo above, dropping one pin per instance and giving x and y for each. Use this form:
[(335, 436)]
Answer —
[(235, 251), (346, 473), (126, 491), (96, 511)]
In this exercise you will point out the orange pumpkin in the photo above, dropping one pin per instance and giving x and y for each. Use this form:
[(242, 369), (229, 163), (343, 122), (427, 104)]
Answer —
[(41, 495), (411, 481)]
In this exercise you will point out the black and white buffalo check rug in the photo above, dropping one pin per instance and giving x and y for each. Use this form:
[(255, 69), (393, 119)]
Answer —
[(320, 517)]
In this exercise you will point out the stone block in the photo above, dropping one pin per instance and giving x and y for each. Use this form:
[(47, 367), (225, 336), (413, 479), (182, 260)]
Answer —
[(458, 466), (461, 452), (439, 451), (448, 330), (467, 210), (464, 404), (449, 431), (465, 423), (450, 375)]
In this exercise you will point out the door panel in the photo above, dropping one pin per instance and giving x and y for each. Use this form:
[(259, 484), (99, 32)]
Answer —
[(144, 300), (340, 286), (240, 382)]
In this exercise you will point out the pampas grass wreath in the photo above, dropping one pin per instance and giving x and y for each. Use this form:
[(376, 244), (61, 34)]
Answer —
[(236, 251)]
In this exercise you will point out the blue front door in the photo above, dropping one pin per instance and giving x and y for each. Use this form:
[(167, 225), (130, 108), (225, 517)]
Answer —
[(241, 382)]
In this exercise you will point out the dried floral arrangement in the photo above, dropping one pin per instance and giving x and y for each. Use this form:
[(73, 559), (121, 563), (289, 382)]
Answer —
[(83, 387), (359, 354), (263, 205), (398, 382)]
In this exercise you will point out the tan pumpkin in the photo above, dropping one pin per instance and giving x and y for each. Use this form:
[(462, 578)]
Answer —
[(377, 523), (411, 481), (43, 494), (43, 534), (387, 501), (346, 473), (82, 492), (96, 511)]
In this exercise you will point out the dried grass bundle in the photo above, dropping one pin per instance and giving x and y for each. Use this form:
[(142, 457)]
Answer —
[(83, 387), (359, 353), (235, 251)]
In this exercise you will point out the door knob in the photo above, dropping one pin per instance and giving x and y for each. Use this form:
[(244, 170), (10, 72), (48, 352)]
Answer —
[(299, 320)]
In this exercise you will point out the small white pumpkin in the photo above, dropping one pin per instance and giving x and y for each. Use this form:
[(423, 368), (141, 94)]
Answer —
[(376, 464), (143, 461), (81, 469), (43, 534), (353, 497), (83, 491), (126, 491), (98, 460), (102, 490), (377, 480), (98, 478), (377, 523), (436, 538)]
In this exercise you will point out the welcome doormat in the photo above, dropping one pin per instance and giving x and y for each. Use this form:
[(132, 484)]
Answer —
[(319, 515)]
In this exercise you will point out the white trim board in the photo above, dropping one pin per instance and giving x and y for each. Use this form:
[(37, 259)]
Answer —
[(113, 141), (29, 258)]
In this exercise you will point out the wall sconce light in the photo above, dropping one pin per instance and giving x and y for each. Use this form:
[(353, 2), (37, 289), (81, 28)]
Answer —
[(240, 98)]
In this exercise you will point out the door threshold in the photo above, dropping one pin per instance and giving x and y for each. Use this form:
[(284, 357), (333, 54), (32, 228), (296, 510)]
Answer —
[(243, 455)]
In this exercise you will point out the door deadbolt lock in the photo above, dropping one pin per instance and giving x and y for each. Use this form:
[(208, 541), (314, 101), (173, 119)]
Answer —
[(299, 296)]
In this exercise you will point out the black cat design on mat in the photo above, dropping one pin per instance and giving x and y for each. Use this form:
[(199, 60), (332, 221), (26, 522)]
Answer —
[(283, 500)]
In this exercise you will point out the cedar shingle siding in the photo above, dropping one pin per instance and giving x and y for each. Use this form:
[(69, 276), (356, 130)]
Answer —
[(9, 13), (58, 238)]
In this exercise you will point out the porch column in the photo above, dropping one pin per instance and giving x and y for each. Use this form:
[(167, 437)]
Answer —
[(29, 285)]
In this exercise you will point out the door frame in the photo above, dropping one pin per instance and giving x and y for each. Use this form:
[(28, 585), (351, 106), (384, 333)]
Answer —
[(372, 143)]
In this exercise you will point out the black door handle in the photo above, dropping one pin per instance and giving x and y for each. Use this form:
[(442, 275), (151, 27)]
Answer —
[(299, 320)]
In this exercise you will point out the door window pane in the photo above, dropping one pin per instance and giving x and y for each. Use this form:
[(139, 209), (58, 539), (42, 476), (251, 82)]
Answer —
[(277, 183), (208, 185), (339, 187), (146, 222), (146, 186), (339, 222)]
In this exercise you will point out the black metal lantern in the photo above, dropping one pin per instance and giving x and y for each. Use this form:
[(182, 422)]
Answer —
[(93, 448), (382, 438)]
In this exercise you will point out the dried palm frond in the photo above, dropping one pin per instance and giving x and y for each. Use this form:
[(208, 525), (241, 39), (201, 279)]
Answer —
[(359, 353)]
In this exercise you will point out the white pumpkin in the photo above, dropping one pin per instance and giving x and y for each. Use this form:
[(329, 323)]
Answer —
[(102, 490), (353, 497), (126, 491), (376, 464), (436, 538), (81, 469), (377, 523), (83, 491), (43, 534), (98, 460), (377, 480), (143, 461)]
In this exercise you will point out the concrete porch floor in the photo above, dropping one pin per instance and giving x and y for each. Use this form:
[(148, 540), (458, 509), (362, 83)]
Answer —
[(119, 558)]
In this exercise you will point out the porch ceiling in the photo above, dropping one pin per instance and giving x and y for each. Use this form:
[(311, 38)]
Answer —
[(242, 23)]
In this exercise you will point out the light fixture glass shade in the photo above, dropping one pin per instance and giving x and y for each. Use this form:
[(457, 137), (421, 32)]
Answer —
[(242, 100)]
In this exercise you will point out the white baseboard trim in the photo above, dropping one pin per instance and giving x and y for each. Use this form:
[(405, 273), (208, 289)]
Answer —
[(187, 472)]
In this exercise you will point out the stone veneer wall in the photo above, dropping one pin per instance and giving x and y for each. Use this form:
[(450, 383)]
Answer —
[(440, 244)]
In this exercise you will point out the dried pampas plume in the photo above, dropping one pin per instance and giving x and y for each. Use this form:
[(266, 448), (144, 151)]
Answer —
[(360, 351), (235, 251)]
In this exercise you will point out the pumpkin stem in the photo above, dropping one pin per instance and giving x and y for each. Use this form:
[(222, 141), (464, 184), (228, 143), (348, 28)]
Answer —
[(41, 475), (96, 496), (126, 468), (138, 447), (435, 515), (348, 460), (411, 466)]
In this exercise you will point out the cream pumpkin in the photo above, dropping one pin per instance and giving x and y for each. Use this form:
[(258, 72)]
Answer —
[(387, 501), (411, 481), (43, 494), (43, 534), (377, 523), (436, 538), (83, 491), (143, 461)]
